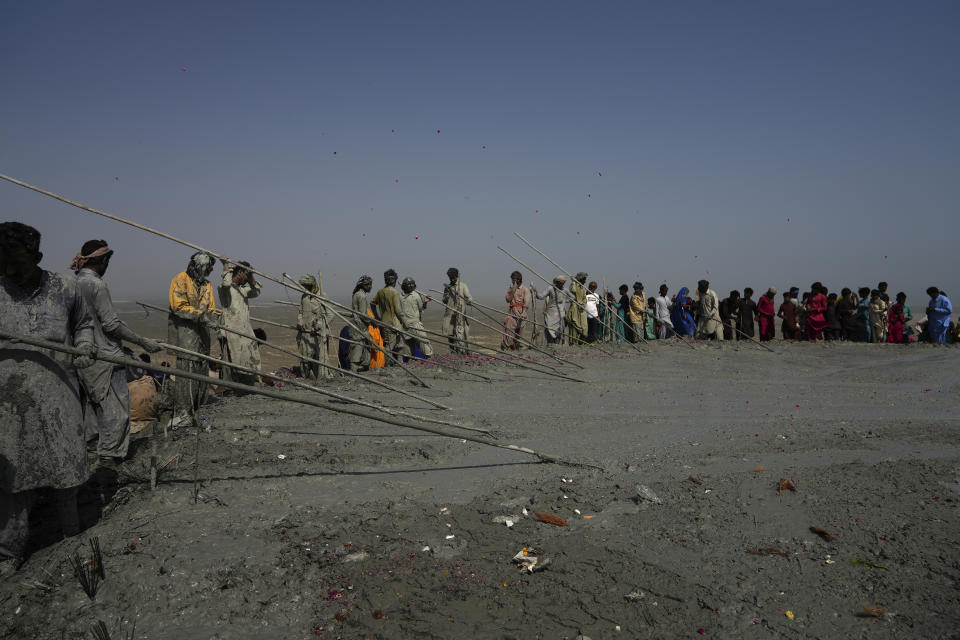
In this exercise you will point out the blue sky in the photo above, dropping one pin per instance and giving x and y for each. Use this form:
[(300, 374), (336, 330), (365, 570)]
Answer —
[(764, 143)]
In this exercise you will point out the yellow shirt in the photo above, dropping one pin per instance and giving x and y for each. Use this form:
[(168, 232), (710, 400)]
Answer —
[(186, 301)]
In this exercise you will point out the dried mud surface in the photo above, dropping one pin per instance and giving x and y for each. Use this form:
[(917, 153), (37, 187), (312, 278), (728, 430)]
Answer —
[(370, 530)]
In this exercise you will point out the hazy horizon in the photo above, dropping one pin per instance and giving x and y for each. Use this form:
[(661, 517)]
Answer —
[(746, 143)]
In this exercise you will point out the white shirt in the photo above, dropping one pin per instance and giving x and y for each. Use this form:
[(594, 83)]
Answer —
[(663, 309), (591, 305)]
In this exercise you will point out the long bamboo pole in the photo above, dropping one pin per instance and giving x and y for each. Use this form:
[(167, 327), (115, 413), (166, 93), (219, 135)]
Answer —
[(185, 243), (411, 356), (302, 357), (513, 361), (130, 362), (320, 390)]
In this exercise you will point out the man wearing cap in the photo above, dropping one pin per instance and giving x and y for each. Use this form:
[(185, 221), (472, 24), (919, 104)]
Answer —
[(766, 315), (412, 304), (518, 299), (386, 308), (313, 329), (709, 325), (105, 384)]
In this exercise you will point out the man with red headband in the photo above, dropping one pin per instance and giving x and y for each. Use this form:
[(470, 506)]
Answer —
[(107, 394)]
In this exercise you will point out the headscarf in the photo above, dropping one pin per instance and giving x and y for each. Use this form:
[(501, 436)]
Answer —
[(309, 283), (80, 261), (681, 318)]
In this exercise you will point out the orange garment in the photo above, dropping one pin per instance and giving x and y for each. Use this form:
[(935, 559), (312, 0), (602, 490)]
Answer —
[(377, 358)]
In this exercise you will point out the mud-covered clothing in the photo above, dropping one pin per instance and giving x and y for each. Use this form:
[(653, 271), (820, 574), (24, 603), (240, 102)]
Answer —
[(185, 328), (104, 383), (411, 311), (42, 440), (313, 329), (359, 351), (236, 315), (576, 314), (455, 324), (518, 299)]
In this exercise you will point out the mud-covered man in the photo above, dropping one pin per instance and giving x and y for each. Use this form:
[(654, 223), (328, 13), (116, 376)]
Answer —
[(192, 310), (105, 384), (42, 441)]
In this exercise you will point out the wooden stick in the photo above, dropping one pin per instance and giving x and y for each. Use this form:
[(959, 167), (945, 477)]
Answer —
[(572, 280), (321, 363), (230, 384), (342, 339), (495, 355), (320, 390)]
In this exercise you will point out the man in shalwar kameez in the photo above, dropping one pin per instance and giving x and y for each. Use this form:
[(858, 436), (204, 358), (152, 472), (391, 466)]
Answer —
[(637, 313), (362, 320), (42, 442), (554, 309), (454, 325), (576, 312), (192, 309), (386, 308), (412, 304), (105, 384), (709, 324), (313, 328), (518, 301), (237, 286)]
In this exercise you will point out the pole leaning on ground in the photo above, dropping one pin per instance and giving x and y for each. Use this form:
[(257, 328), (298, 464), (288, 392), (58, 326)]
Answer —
[(276, 347), (320, 390), (185, 243), (499, 330), (475, 345), (229, 384)]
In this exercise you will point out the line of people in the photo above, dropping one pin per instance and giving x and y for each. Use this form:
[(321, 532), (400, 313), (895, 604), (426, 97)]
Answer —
[(582, 315)]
